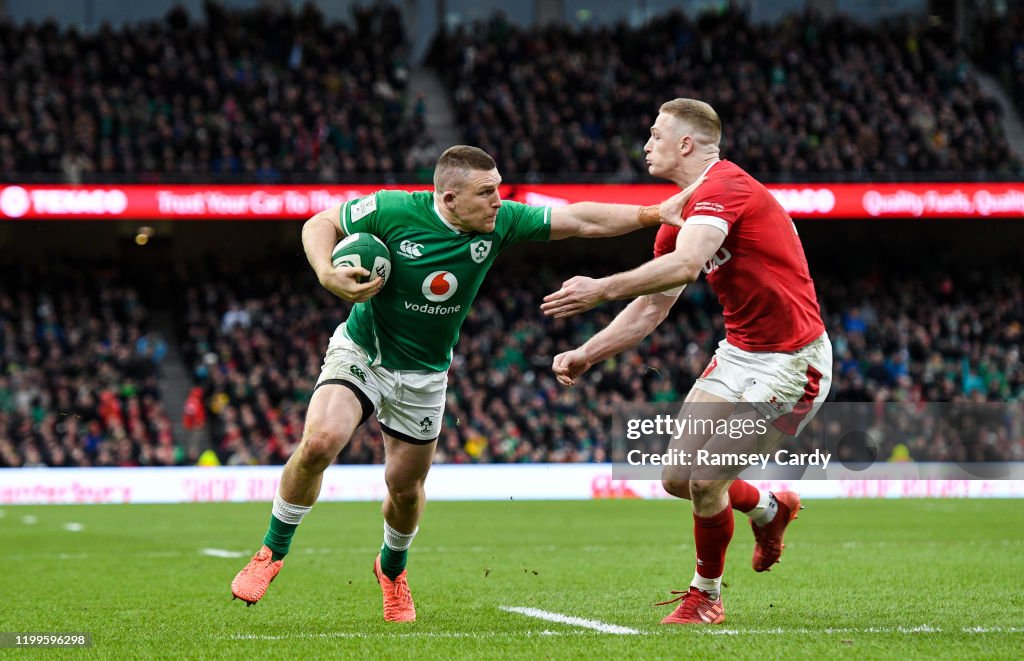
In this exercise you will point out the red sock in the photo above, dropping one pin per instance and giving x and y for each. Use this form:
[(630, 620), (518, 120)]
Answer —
[(712, 535), (744, 496)]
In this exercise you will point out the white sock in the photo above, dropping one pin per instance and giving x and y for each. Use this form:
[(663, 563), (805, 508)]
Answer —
[(288, 513), (767, 508), (398, 541), (713, 586)]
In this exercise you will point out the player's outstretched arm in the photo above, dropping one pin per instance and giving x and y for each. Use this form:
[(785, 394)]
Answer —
[(695, 245), (319, 234), (628, 329), (596, 219)]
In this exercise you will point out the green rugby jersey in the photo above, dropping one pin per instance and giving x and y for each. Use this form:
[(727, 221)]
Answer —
[(436, 271)]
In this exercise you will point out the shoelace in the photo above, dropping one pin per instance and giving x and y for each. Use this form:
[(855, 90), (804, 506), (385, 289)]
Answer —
[(253, 564), (401, 590), (682, 596)]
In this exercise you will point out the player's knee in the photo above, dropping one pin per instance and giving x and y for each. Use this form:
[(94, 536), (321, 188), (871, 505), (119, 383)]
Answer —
[(677, 487), (320, 448), (406, 496), (701, 489), (676, 481)]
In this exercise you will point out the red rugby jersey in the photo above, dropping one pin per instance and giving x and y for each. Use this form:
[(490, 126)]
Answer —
[(760, 273)]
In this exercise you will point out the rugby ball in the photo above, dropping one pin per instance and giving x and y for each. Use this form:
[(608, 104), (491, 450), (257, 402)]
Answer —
[(363, 250)]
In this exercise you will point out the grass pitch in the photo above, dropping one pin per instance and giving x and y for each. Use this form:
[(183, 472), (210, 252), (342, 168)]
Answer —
[(912, 578)]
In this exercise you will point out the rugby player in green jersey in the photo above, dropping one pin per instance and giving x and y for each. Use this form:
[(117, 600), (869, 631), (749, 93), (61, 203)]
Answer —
[(391, 356)]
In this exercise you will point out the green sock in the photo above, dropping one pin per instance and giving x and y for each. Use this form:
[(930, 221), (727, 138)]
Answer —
[(279, 537), (392, 562)]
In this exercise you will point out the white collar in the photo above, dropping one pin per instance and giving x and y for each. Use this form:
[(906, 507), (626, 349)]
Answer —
[(453, 228)]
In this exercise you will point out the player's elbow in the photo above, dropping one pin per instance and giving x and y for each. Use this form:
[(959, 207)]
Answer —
[(689, 271), (321, 222), (654, 311), (678, 270)]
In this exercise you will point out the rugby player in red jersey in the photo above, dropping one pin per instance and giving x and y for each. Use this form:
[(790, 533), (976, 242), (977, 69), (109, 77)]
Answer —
[(776, 356)]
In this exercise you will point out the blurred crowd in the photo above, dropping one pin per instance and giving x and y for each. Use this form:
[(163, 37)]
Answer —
[(79, 372), (254, 339), (806, 95), (999, 48), (270, 94), (258, 94), (79, 384), (265, 94)]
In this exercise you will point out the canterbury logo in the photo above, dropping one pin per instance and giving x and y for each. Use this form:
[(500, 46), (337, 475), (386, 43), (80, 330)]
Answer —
[(410, 249), (358, 373)]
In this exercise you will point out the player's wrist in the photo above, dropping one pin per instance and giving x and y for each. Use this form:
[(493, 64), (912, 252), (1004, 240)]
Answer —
[(604, 288), (584, 355), (649, 216), (323, 273)]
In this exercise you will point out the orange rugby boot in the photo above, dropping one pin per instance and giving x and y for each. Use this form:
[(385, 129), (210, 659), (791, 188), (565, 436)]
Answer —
[(696, 607), (768, 539), (398, 606), (251, 583)]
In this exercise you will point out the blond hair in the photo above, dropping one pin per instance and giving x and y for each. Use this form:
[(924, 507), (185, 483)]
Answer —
[(698, 115), (456, 163)]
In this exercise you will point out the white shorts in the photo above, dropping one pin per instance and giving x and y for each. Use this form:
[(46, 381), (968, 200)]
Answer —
[(786, 388), (409, 404)]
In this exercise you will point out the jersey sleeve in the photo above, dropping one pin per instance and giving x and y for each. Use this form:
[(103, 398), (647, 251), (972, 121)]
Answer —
[(361, 214), (718, 203), (524, 223), (665, 241)]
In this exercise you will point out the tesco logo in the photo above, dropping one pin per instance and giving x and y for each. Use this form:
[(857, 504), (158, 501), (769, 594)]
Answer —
[(16, 202), (805, 200)]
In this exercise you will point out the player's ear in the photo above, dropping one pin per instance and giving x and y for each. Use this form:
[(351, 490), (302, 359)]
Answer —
[(449, 199), (685, 144)]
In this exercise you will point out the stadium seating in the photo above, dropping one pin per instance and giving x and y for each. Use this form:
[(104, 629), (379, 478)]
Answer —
[(257, 94), (998, 46), (267, 96), (78, 384), (256, 338), (805, 96), (263, 95), (78, 372)]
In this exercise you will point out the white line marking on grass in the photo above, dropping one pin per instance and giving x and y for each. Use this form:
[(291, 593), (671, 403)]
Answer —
[(603, 627), (2, 514), (74, 527), (28, 519), (715, 631), (923, 628), (221, 553), (410, 634)]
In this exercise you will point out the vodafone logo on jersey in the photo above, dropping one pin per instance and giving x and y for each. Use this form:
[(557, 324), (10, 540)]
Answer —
[(440, 286)]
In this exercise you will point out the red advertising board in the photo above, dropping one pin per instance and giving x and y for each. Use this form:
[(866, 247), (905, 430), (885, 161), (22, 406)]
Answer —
[(280, 202)]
